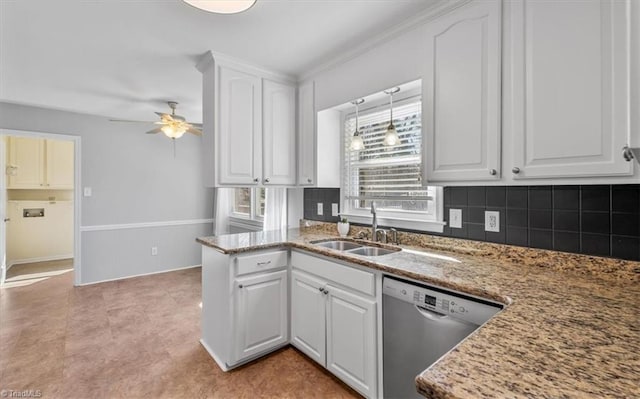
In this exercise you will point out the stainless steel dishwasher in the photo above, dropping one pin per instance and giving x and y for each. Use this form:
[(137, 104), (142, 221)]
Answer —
[(420, 324)]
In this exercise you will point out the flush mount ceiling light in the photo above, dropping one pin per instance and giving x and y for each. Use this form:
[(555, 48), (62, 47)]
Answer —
[(222, 6), (357, 143), (391, 136)]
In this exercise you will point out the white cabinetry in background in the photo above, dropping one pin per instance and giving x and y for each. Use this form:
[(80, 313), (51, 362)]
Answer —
[(35, 163), (319, 140), (244, 304), (333, 319), (462, 98), (249, 119), (567, 87)]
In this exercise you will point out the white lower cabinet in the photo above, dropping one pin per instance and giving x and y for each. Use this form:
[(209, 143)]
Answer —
[(334, 326), (260, 318), (351, 339), (245, 298), (308, 332)]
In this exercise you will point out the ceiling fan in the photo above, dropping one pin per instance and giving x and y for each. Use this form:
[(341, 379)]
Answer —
[(172, 125)]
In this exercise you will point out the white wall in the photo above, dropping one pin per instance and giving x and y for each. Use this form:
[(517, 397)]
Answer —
[(135, 179)]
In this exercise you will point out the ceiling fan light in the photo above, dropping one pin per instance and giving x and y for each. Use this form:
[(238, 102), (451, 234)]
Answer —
[(391, 137), (357, 143), (173, 131), (222, 6)]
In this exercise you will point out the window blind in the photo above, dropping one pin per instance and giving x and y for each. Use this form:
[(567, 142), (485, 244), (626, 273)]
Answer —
[(392, 176)]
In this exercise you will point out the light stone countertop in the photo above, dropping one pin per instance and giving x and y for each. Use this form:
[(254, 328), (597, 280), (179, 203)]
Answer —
[(566, 333)]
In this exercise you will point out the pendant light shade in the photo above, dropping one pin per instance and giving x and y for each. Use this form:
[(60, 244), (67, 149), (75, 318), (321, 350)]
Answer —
[(391, 137), (222, 6), (357, 143)]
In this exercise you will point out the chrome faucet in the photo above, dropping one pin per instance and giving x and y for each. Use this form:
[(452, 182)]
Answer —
[(374, 223)]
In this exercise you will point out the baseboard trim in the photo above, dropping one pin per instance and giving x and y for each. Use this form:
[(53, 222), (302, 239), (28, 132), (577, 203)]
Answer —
[(106, 227), (223, 366), (139, 275), (39, 259)]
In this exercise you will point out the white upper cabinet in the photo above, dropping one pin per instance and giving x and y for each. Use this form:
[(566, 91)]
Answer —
[(567, 90), (279, 128), (35, 163), (462, 99), (306, 134), (240, 127), (249, 117)]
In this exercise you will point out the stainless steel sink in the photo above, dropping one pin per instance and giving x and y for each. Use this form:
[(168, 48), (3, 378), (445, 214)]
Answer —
[(339, 245), (372, 251)]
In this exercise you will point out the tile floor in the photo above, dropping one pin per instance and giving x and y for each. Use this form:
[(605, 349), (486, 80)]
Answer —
[(134, 338)]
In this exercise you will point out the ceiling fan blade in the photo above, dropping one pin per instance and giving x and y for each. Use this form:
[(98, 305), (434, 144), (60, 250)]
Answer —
[(127, 120), (195, 131), (198, 125), (154, 131)]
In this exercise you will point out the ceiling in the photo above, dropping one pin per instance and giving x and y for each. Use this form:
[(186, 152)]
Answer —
[(125, 59)]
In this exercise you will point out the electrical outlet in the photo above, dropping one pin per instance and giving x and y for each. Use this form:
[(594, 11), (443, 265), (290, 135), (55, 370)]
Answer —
[(455, 218), (492, 221), (320, 212), (334, 209), (87, 191), (154, 251)]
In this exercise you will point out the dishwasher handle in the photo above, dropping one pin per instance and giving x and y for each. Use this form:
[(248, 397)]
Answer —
[(430, 314)]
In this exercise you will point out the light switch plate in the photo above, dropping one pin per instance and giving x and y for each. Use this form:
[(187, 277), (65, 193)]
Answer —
[(455, 218), (87, 191), (492, 221), (334, 209), (320, 208)]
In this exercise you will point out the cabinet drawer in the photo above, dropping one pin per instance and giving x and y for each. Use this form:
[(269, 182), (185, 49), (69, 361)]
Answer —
[(246, 264), (347, 276)]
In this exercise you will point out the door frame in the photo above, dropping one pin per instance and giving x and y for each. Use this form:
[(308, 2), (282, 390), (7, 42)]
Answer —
[(77, 192)]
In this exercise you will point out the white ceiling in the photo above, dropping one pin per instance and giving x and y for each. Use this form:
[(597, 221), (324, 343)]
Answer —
[(126, 58)]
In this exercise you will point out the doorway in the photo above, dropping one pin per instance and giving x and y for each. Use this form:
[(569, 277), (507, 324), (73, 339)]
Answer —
[(39, 194)]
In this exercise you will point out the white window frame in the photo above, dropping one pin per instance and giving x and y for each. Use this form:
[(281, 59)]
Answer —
[(410, 220), (253, 221)]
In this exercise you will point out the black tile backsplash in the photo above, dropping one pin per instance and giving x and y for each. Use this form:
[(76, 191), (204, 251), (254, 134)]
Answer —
[(601, 220), (326, 196)]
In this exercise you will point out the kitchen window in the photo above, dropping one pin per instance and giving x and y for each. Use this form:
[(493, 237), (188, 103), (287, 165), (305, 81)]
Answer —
[(390, 176), (248, 208)]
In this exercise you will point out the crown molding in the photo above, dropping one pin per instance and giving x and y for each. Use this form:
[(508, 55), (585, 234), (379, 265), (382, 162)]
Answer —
[(210, 58), (342, 56)]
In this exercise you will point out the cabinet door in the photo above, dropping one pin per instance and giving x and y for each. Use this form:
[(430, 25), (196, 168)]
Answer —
[(239, 127), (260, 313), (462, 96), (26, 163), (351, 340), (279, 133), (308, 315), (59, 155), (568, 93), (306, 135)]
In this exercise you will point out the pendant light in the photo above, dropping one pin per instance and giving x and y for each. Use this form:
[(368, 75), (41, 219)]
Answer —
[(391, 136), (357, 143)]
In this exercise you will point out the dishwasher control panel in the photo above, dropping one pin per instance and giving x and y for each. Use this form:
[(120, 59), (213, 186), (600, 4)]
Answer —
[(440, 300)]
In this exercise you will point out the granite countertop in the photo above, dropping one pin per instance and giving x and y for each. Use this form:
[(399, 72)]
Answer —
[(563, 334)]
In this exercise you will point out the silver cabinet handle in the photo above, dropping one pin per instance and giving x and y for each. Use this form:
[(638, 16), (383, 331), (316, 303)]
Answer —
[(516, 170), (493, 172), (264, 263), (266, 180), (308, 180), (240, 286), (325, 291), (256, 180)]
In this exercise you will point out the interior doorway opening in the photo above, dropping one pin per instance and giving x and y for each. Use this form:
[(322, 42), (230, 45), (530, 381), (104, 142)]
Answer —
[(39, 195)]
